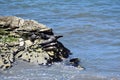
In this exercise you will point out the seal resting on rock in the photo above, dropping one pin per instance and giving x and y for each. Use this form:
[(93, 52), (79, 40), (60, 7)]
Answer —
[(30, 41)]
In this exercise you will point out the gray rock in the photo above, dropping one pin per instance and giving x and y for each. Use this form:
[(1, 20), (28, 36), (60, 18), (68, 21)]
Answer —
[(29, 41)]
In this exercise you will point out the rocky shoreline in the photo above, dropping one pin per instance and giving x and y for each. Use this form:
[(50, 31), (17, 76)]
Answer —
[(30, 41)]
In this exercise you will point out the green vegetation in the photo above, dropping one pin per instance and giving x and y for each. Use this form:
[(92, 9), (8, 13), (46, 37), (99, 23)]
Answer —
[(3, 32), (6, 38)]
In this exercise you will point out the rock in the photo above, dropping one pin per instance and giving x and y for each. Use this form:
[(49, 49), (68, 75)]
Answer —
[(6, 58), (11, 22), (29, 41)]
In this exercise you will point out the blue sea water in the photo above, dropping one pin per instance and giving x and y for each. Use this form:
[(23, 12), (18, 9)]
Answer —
[(91, 30)]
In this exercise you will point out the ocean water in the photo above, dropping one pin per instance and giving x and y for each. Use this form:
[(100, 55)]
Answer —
[(91, 30)]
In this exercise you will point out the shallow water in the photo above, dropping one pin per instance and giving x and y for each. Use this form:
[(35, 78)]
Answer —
[(91, 31)]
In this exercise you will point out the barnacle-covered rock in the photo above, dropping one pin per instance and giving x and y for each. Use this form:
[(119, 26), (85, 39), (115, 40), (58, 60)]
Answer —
[(30, 41)]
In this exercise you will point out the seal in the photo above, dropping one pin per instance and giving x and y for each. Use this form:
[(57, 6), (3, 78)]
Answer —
[(75, 62), (51, 38)]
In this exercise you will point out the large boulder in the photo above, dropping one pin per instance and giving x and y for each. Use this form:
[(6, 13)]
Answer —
[(30, 41)]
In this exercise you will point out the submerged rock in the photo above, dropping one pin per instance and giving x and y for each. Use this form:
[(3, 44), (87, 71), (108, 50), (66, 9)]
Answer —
[(30, 41)]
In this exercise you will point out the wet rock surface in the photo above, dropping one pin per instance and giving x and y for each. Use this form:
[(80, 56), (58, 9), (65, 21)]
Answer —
[(29, 41)]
